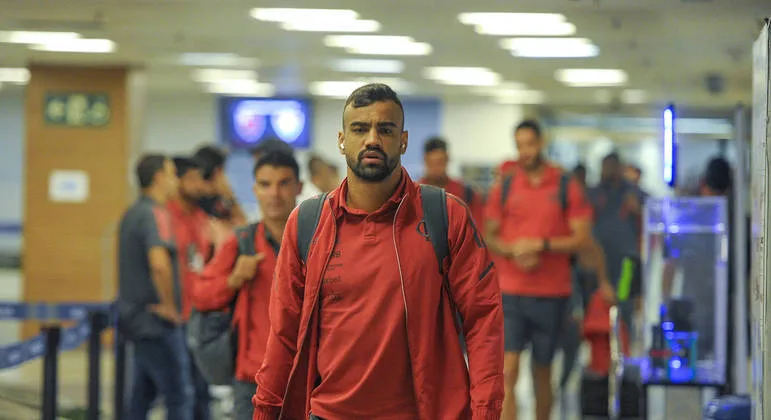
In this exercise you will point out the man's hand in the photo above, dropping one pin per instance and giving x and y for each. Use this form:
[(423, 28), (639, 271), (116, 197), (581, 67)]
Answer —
[(525, 246), (167, 312), (245, 269), (528, 262), (607, 292), (632, 204)]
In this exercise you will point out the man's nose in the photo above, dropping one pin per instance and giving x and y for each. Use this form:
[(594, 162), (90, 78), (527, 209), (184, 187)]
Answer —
[(373, 138)]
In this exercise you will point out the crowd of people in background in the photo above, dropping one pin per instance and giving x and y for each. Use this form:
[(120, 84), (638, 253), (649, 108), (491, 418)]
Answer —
[(351, 304)]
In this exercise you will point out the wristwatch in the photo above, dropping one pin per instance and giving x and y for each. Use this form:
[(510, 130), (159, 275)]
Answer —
[(546, 244)]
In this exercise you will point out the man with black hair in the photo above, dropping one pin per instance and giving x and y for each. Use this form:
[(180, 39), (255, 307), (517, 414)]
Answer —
[(271, 145), (617, 221), (219, 200), (323, 175), (579, 173), (536, 218), (436, 158), (150, 295), (191, 230), (246, 279), (363, 324)]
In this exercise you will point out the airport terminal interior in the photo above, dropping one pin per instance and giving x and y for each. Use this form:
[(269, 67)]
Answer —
[(653, 114)]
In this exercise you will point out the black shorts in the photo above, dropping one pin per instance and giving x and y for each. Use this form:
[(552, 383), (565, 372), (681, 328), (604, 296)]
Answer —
[(533, 320)]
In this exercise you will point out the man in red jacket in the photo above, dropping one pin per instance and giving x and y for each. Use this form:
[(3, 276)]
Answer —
[(365, 329), (247, 279), (436, 158), (191, 231)]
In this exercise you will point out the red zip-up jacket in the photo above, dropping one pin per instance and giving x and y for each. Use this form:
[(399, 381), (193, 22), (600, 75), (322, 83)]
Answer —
[(250, 316), (444, 387)]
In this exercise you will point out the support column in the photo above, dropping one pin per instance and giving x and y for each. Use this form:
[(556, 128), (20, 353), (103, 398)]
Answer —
[(82, 126)]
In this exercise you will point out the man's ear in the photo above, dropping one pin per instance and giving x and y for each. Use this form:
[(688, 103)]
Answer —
[(341, 142), (405, 141)]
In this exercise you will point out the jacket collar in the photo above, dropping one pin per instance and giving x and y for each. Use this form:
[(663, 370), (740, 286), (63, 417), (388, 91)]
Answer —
[(406, 188)]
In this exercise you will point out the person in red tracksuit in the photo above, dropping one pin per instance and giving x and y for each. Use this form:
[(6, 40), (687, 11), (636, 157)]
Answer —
[(191, 231), (436, 158), (276, 186), (365, 328)]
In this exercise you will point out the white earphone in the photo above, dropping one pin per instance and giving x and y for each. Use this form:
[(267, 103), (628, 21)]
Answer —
[(342, 146)]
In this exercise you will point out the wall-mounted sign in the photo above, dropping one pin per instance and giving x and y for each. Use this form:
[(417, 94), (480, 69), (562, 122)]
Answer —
[(68, 186), (73, 109)]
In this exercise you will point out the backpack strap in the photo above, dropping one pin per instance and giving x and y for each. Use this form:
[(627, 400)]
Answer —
[(307, 220), (505, 188), (435, 216), (563, 192), (246, 236), (468, 194)]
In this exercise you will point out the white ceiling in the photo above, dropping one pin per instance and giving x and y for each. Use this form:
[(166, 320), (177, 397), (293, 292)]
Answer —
[(668, 47)]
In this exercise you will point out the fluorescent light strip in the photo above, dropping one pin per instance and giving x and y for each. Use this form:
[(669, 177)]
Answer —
[(527, 28), (241, 87), (669, 145), (342, 89), (509, 18), (550, 47), (378, 44), (77, 46), (14, 75), (591, 77), (368, 66), (462, 76), (216, 60), (324, 26), (283, 15), (214, 75), (32, 37)]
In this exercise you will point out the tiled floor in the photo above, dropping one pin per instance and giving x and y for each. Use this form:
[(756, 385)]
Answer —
[(20, 388)]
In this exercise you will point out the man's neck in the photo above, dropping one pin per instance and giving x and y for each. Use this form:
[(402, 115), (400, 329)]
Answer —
[(535, 173), (155, 195), (440, 182), (370, 196), (275, 227)]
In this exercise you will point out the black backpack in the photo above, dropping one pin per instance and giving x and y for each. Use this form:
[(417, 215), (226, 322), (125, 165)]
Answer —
[(434, 201), (210, 335)]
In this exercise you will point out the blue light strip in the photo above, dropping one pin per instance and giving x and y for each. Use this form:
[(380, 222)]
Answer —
[(670, 147)]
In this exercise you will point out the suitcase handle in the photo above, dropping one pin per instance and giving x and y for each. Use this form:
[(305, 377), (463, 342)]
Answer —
[(616, 365)]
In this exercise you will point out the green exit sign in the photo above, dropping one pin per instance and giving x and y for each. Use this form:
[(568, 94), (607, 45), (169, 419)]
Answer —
[(75, 109)]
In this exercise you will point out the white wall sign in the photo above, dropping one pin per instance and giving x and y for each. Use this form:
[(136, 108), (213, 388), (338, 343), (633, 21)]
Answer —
[(68, 186)]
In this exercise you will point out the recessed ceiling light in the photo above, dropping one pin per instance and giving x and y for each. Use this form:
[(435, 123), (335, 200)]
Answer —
[(634, 96), (241, 87), (462, 76), (286, 15), (33, 37), (550, 47), (367, 66), (214, 75), (216, 60), (14, 75), (378, 44), (325, 26), (76, 45), (520, 24), (591, 77)]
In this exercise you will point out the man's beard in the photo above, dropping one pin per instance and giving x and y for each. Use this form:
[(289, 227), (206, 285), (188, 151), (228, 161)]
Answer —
[(534, 164), (373, 173)]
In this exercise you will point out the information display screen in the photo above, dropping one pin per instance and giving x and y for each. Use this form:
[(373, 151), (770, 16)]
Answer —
[(245, 122)]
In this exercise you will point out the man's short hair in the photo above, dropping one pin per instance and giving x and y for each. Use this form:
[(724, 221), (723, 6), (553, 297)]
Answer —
[(374, 92), (529, 124), (271, 145), (579, 168), (315, 163), (211, 158), (279, 160), (433, 144), (185, 164), (719, 175), (612, 157), (148, 166)]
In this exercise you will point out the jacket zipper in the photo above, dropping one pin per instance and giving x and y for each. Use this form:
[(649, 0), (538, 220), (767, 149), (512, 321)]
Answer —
[(404, 299), (307, 326)]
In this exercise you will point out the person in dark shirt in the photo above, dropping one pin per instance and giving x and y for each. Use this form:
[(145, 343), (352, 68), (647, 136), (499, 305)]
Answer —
[(150, 296)]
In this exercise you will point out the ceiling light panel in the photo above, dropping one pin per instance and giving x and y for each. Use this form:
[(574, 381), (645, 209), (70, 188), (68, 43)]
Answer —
[(520, 97), (241, 87), (591, 77), (462, 76), (76, 45), (368, 66), (550, 47), (634, 97), (342, 89), (31, 37), (14, 75), (196, 59), (519, 24), (378, 44), (214, 75), (316, 20)]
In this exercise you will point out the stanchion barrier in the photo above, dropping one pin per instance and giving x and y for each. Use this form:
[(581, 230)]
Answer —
[(91, 320)]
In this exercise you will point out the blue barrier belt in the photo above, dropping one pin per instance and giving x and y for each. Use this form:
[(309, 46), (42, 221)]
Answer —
[(73, 337)]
